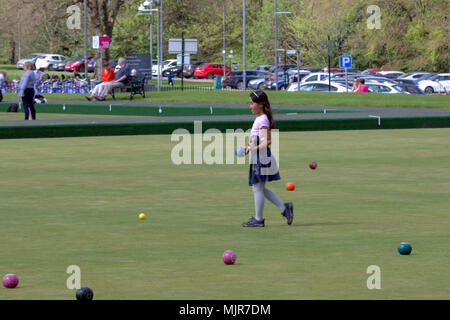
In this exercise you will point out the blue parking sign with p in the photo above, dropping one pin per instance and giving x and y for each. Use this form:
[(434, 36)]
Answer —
[(345, 61)]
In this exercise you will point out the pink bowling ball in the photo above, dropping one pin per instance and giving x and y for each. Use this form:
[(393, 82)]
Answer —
[(10, 280), (229, 257)]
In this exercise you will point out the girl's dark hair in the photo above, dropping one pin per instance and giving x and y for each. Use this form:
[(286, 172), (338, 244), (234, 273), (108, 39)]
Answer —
[(261, 97)]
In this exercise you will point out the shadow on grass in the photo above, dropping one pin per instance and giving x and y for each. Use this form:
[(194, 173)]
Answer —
[(313, 224)]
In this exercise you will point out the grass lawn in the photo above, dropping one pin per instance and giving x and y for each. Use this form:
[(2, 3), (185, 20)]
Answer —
[(76, 201), (280, 97)]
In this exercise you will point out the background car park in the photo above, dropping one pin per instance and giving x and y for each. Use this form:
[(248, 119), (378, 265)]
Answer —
[(410, 88), (76, 65), (298, 76), (234, 79), (30, 58), (49, 61), (263, 68), (189, 69), (439, 83), (209, 70), (256, 84), (384, 88), (390, 74), (167, 64), (315, 76), (318, 86), (413, 75)]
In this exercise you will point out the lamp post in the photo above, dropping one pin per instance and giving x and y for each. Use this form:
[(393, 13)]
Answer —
[(244, 60), (160, 53), (276, 41), (146, 8), (224, 51), (86, 42)]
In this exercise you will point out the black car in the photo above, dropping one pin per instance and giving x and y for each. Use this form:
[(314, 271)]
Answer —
[(189, 69), (235, 79), (410, 88), (175, 71)]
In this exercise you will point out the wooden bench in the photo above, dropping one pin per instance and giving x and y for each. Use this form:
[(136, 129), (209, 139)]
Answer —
[(136, 85)]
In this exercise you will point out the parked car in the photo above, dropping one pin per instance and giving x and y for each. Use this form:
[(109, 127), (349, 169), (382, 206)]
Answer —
[(293, 76), (311, 69), (271, 84), (390, 74), (374, 79), (256, 84), (333, 70), (235, 79), (209, 70), (60, 65), (263, 68), (175, 71), (76, 65), (413, 75), (315, 76), (282, 67), (189, 69), (436, 84), (92, 64), (384, 88), (372, 71), (167, 64), (49, 61), (409, 88), (31, 58), (318, 86), (424, 77)]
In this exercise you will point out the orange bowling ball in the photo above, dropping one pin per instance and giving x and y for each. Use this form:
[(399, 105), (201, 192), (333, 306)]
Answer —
[(290, 186)]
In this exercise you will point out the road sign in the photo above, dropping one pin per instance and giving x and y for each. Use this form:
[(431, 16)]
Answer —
[(190, 46), (104, 42), (345, 61), (291, 52), (100, 42), (187, 59), (95, 42)]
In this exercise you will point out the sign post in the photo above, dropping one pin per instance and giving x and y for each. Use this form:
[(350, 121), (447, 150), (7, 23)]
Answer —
[(184, 47), (345, 62), (292, 52), (330, 49), (99, 42), (298, 67)]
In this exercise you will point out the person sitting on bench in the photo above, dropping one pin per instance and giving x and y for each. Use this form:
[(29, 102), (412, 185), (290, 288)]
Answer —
[(107, 77), (122, 77)]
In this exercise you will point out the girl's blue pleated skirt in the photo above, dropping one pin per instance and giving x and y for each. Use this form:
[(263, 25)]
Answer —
[(263, 167)]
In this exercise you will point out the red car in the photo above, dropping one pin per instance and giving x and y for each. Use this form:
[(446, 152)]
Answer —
[(209, 70), (331, 69), (376, 69), (76, 65)]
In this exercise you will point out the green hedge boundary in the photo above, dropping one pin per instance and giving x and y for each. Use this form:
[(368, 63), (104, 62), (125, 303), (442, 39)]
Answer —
[(167, 127)]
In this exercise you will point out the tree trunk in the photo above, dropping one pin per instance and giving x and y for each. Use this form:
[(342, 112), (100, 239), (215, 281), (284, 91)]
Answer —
[(12, 51)]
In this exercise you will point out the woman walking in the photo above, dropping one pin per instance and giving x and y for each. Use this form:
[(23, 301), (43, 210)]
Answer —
[(26, 91)]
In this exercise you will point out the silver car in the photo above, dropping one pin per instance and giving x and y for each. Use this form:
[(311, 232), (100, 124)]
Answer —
[(49, 61), (31, 58)]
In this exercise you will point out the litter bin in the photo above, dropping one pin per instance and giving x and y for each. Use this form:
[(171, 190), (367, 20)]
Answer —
[(218, 82)]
